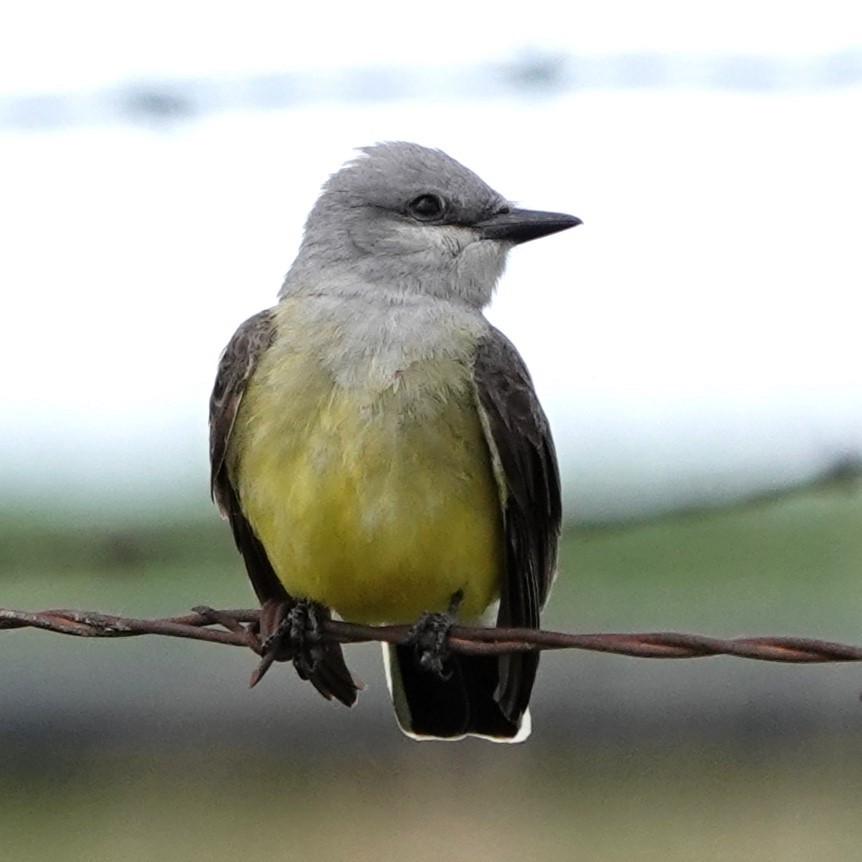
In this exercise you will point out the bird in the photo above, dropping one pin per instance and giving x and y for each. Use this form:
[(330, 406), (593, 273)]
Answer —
[(379, 449)]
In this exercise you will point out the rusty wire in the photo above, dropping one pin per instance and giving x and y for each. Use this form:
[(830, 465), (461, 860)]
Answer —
[(241, 628)]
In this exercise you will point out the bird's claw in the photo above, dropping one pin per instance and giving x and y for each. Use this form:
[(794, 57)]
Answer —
[(293, 632), (430, 638)]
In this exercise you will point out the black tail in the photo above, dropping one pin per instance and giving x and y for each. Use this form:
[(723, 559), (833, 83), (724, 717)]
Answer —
[(463, 704)]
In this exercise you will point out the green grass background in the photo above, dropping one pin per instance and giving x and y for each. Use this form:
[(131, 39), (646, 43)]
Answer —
[(106, 752)]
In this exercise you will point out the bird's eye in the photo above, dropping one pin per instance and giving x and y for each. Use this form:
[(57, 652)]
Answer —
[(426, 207)]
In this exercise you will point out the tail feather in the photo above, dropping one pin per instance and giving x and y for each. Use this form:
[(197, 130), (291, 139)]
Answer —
[(463, 704)]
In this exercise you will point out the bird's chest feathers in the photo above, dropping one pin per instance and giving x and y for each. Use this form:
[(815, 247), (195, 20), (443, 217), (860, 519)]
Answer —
[(372, 392), (361, 463), (383, 366)]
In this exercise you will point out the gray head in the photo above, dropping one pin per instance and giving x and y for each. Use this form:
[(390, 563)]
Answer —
[(402, 221)]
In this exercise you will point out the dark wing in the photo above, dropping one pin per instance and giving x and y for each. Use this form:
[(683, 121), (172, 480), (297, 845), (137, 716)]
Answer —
[(236, 366), (525, 464)]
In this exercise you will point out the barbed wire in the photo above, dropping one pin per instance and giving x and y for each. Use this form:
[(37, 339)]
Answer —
[(241, 628)]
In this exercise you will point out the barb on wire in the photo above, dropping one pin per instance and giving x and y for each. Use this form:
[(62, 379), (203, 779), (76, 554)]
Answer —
[(241, 628)]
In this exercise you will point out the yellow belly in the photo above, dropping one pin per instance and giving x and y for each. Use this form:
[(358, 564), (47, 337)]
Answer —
[(379, 502)]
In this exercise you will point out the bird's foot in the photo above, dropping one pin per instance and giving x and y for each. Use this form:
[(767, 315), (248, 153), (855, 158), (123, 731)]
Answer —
[(291, 631), (430, 637)]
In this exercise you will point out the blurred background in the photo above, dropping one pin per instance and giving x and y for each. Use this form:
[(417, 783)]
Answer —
[(696, 344)]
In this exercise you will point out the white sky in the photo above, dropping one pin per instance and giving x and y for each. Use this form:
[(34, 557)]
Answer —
[(55, 45), (698, 337)]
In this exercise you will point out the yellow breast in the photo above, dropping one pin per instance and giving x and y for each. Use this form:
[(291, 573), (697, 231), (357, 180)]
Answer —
[(375, 498)]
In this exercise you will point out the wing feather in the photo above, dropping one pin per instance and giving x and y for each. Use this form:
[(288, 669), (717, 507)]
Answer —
[(236, 366), (525, 463)]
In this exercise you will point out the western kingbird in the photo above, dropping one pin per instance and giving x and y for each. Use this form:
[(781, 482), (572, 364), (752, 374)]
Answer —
[(378, 446)]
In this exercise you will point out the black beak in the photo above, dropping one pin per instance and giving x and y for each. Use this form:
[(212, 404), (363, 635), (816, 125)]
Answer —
[(518, 226)]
